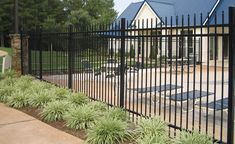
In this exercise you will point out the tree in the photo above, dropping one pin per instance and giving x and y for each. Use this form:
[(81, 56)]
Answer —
[(55, 15), (86, 12), (6, 18)]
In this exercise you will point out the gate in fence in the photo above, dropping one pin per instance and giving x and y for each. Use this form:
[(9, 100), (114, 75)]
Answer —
[(177, 68)]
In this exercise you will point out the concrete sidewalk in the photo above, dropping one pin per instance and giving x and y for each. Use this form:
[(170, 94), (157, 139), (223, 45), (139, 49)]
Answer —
[(19, 128)]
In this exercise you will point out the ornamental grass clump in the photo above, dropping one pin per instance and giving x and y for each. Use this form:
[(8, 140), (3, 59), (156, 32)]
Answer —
[(60, 93), (117, 113), (8, 74), (5, 92), (39, 98), (151, 139), (18, 99), (81, 117), (7, 82), (23, 83), (100, 107), (55, 110), (36, 84), (108, 131), (192, 138), (27, 78), (78, 99), (153, 129)]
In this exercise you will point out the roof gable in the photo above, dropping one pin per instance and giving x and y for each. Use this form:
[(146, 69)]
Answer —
[(131, 11), (222, 7), (147, 14), (168, 8)]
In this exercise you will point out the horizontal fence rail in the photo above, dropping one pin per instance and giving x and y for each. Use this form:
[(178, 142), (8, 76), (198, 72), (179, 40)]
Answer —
[(178, 69)]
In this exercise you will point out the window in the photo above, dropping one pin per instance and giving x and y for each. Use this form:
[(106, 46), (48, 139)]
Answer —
[(186, 43), (156, 41), (225, 47), (213, 48)]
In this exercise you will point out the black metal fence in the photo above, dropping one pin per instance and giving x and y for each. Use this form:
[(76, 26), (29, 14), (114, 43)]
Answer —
[(177, 68)]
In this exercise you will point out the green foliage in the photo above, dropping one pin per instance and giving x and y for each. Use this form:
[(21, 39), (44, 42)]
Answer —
[(55, 15), (151, 139), (40, 98), (36, 84), (117, 113), (152, 126), (23, 83), (152, 129), (78, 99), (18, 99), (153, 53), (80, 118), (55, 110), (90, 11), (108, 131), (7, 82), (5, 92), (26, 78), (192, 138), (98, 106), (8, 74), (60, 93), (132, 52)]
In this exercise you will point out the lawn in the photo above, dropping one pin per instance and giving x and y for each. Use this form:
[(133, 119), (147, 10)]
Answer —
[(9, 51), (58, 60)]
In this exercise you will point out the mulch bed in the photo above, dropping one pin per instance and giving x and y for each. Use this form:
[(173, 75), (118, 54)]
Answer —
[(34, 112)]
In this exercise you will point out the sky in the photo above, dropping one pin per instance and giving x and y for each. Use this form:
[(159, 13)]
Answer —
[(121, 5)]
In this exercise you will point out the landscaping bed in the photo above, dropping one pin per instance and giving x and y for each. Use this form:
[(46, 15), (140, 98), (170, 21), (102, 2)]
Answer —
[(94, 122)]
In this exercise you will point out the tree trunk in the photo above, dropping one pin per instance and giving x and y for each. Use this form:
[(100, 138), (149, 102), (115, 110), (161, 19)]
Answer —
[(2, 40)]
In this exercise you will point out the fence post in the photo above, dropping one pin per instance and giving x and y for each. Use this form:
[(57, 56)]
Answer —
[(122, 87), (22, 51), (29, 55), (230, 128), (70, 66), (40, 53)]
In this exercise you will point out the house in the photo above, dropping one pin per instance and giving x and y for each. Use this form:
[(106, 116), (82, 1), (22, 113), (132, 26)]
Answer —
[(153, 13)]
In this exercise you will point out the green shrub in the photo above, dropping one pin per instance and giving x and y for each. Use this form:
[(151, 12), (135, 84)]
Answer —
[(152, 129), (117, 113), (78, 99), (55, 110), (1, 76), (26, 78), (108, 131), (192, 138), (36, 84), (98, 106), (80, 118), (60, 93), (7, 82), (152, 126), (39, 98), (8, 74), (6, 92), (18, 99), (23, 83), (150, 139)]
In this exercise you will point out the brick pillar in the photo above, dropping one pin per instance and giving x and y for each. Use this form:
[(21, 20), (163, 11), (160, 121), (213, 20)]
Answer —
[(17, 53)]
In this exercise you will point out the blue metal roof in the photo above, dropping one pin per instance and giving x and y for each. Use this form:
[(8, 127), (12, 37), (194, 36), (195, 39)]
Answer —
[(131, 11), (222, 7), (168, 8)]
